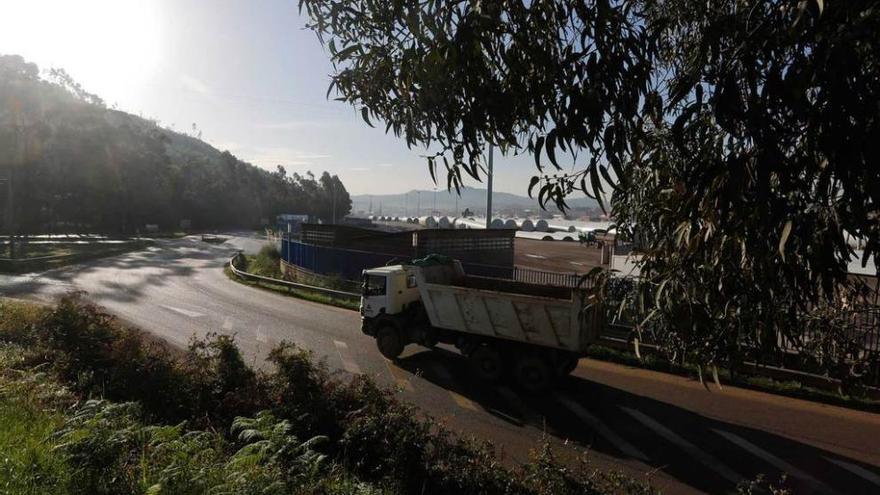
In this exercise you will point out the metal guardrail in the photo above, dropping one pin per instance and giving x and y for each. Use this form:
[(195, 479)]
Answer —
[(293, 285), (542, 277)]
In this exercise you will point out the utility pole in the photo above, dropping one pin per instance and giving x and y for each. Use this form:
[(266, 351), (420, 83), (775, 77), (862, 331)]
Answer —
[(489, 191), (435, 201), (7, 221), (10, 191), (334, 203)]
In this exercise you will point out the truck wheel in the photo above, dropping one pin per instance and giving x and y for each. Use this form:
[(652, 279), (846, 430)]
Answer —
[(389, 342), (487, 363), (533, 374)]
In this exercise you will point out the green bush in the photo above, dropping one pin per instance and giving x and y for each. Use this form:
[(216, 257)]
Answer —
[(267, 262), (218, 383), (89, 349), (361, 439), (112, 451), (17, 321)]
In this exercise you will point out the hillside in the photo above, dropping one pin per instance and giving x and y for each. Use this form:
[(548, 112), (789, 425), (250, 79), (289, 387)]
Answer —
[(473, 198), (78, 166)]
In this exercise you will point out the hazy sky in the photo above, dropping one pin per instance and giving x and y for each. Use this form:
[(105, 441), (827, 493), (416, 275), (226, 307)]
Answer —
[(245, 72)]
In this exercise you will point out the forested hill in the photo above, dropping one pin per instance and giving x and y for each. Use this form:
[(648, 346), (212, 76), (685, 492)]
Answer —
[(77, 165)]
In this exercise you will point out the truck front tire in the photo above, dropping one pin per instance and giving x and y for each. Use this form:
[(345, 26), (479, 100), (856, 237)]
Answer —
[(389, 342)]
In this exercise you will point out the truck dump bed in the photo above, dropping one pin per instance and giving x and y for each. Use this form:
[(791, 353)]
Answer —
[(547, 316)]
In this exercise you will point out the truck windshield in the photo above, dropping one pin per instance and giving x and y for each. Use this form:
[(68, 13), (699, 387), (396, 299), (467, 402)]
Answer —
[(374, 285)]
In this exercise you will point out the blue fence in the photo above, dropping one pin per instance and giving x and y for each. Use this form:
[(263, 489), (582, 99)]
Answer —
[(346, 263), (349, 263)]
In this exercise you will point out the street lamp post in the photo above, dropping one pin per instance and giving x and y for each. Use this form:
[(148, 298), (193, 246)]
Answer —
[(8, 221), (334, 203), (489, 190)]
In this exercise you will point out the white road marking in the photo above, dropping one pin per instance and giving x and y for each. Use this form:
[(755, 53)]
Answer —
[(261, 336), (459, 399), (856, 470), (536, 256), (774, 461), (619, 443), (577, 264), (184, 312), (347, 363), (400, 377), (689, 448), (227, 324)]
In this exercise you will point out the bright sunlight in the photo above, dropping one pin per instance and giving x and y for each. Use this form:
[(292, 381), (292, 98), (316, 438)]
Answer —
[(111, 46)]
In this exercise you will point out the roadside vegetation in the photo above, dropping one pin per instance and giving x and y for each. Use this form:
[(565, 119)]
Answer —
[(267, 263), (90, 406)]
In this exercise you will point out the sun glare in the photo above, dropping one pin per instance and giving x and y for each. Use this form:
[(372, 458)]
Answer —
[(110, 46)]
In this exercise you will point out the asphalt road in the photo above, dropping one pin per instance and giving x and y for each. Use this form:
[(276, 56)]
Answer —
[(662, 428)]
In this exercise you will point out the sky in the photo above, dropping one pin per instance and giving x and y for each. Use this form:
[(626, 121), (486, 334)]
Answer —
[(247, 74)]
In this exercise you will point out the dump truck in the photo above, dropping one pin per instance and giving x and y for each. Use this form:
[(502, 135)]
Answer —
[(532, 333)]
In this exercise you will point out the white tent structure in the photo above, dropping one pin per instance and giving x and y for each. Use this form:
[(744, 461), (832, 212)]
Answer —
[(428, 222)]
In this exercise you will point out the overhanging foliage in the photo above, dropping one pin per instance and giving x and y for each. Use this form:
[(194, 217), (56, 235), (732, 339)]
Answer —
[(737, 140)]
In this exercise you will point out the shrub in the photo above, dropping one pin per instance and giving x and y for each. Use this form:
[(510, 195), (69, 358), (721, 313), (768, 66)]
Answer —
[(218, 382), (16, 321), (545, 474), (267, 262), (358, 431), (111, 450), (91, 350), (104, 442)]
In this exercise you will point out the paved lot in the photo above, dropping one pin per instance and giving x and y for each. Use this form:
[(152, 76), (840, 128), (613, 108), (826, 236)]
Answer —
[(555, 256), (665, 428)]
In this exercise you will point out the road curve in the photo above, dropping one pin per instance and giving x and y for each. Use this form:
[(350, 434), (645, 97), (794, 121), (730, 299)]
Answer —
[(666, 429)]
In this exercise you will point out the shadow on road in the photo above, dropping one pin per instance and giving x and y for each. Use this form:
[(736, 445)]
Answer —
[(700, 451), (123, 278)]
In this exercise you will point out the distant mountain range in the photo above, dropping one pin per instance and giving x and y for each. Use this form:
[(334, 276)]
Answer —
[(448, 203)]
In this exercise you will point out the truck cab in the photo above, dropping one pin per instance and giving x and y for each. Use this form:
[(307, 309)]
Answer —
[(387, 290)]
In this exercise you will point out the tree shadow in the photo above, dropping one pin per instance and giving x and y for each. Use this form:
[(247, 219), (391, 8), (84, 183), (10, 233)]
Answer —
[(695, 449), (155, 266)]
